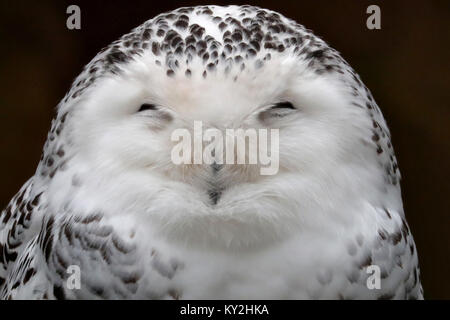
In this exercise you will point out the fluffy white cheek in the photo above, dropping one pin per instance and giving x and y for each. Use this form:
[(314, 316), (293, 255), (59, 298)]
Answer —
[(307, 144), (131, 145)]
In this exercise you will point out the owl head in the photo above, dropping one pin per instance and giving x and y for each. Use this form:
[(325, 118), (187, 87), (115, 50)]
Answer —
[(235, 67)]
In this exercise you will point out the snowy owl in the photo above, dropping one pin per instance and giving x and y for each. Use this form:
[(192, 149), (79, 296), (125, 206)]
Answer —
[(108, 214)]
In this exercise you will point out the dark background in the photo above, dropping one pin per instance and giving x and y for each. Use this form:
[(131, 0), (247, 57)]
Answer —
[(405, 65)]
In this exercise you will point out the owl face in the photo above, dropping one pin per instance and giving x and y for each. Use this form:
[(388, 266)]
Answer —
[(125, 126), (121, 127), (128, 122)]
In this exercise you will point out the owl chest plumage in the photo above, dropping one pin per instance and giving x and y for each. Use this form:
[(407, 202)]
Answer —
[(119, 257)]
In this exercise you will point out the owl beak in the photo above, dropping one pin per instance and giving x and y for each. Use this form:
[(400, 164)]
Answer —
[(215, 193), (214, 196), (216, 167)]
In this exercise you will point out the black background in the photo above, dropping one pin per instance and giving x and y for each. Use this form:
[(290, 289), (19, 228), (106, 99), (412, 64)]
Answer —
[(405, 65)]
